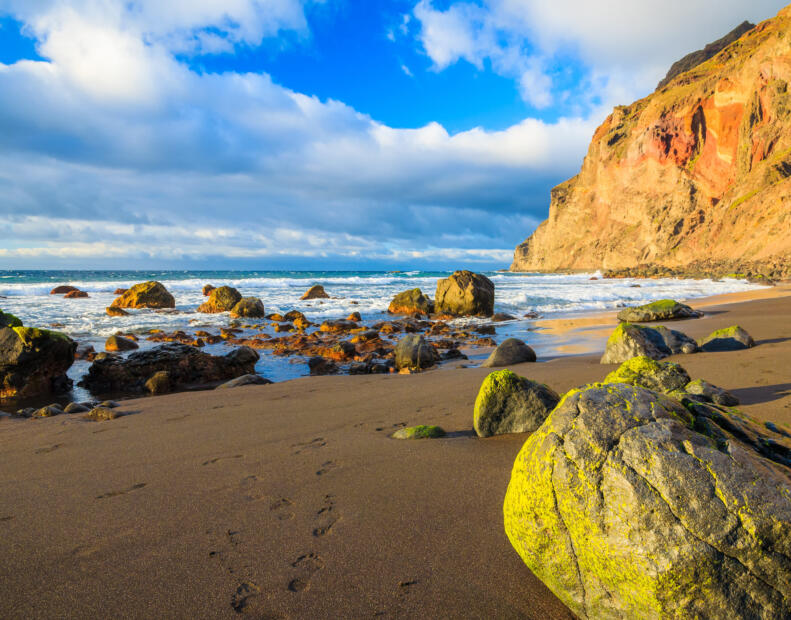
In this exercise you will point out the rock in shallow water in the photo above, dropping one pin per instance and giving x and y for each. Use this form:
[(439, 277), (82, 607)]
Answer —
[(465, 293), (410, 302), (508, 403), (628, 341), (414, 353), (221, 299), (624, 509), (150, 294), (510, 351)]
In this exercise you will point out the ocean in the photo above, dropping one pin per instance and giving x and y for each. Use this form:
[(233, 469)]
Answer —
[(26, 294)]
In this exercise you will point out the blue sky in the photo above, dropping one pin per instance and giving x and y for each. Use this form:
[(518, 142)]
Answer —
[(318, 134)]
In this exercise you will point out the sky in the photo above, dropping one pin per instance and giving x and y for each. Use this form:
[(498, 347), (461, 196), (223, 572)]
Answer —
[(312, 134)]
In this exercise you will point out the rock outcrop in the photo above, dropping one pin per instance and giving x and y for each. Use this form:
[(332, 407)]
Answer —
[(410, 302), (249, 308), (222, 299), (508, 403), (662, 310), (700, 169), (145, 295), (315, 292), (33, 361), (648, 373), (465, 293), (184, 364), (627, 504)]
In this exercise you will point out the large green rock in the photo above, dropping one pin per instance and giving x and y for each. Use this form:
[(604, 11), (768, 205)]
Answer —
[(627, 504), (409, 302), (628, 341), (150, 294), (465, 293), (34, 361), (662, 310), (508, 403), (648, 373), (732, 338)]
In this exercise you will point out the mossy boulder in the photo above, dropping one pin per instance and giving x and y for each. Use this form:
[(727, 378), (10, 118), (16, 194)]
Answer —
[(629, 340), (626, 504), (414, 353), (9, 320), (315, 292), (465, 293), (33, 361), (510, 351), (150, 294), (421, 431), (410, 302), (222, 299), (249, 308), (711, 393), (648, 373), (662, 310), (732, 338), (508, 403)]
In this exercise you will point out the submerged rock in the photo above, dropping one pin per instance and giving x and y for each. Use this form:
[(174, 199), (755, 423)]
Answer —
[(410, 302), (662, 310), (186, 365), (628, 505), (510, 351), (76, 295), (648, 373), (732, 338), (464, 293), (315, 292), (248, 307), (150, 294), (508, 403), (221, 299), (628, 341), (414, 353), (421, 431), (321, 366), (115, 311)]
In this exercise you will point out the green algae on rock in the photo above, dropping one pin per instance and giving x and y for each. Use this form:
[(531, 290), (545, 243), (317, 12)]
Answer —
[(421, 431), (9, 320), (732, 338), (650, 374), (627, 504), (151, 294), (34, 361), (629, 340), (248, 307), (662, 310), (508, 403), (711, 393)]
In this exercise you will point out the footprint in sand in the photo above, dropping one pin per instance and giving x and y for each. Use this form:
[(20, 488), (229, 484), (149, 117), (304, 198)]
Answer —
[(307, 565), (221, 458), (406, 585), (280, 509), (49, 448), (245, 594), (326, 468), (177, 418), (134, 487), (314, 444), (326, 517), (6, 518)]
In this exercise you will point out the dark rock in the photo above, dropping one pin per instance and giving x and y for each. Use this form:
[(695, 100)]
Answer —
[(315, 292), (76, 295), (414, 353), (421, 431), (248, 307), (510, 351), (76, 408), (99, 414), (711, 393), (114, 311), (732, 338), (221, 299), (251, 379), (207, 289), (321, 366), (145, 295), (63, 290), (34, 361), (499, 317), (119, 343), (158, 383)]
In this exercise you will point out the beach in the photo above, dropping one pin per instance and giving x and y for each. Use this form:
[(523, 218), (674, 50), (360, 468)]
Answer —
[(291, 500)]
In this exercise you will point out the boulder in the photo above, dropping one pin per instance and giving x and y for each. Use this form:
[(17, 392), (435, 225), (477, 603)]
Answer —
[(626, 504), (48, 411), (115, 311), (222, 299), (76, 295), (119, 343), (508, 403), (711, 393), (186, 365), (207, 289), (409, 302), (9, 320), (662, 310), (321, 366), (629, 340), (421, 431), (315, 292), (499, 317), (244, 380), (145, 295), (354, 316), (159, 383), (63, 290), (99, 414), (510, 351), (414, 353), (465, 294), (33, 361), (76, 408), (248, 308), (732, 338), (650, 374)]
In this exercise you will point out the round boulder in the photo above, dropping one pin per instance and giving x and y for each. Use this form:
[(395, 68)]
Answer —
[(732, 338), (628, 505), (510, 351), (414, 353), (146, 295), (662, 310), (63, 290), (465, 293), (119, 343), (222, 299), (508, 403), (650, 374), (629, 340), (115, 311), (409, 302), (315, 292), (249, 308)]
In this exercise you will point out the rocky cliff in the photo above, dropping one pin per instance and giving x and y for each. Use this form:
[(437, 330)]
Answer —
[(699, 170)]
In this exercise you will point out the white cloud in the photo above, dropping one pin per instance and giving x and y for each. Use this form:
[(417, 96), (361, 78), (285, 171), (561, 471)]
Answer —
[(406, 70)]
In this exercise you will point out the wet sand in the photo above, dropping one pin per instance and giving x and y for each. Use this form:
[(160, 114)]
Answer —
[(291, 500)]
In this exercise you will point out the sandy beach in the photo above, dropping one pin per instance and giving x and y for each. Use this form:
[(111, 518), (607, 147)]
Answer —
[(291, 501)]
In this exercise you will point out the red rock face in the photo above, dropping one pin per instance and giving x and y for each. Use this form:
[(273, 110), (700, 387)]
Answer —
[(698, 170)]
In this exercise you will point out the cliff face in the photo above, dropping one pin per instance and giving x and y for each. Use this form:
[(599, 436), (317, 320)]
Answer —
[(698, 170)]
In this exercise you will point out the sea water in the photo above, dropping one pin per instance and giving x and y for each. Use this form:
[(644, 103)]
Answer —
[(26, 294)]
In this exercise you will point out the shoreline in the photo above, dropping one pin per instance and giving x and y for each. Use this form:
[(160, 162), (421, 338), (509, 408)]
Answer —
[(193, 502)]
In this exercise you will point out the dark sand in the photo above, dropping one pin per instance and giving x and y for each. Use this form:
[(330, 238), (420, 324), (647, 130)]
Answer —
[(290, 500)]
